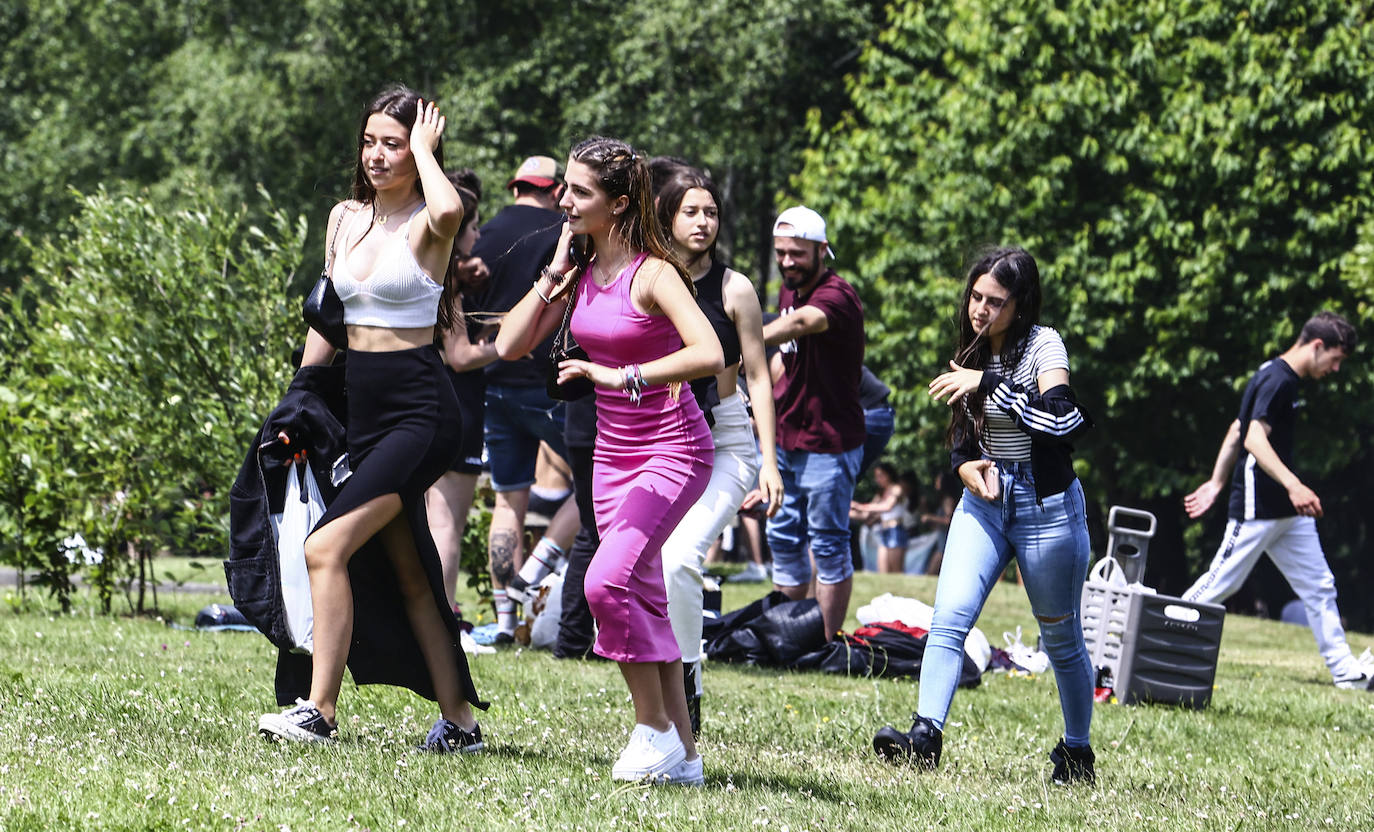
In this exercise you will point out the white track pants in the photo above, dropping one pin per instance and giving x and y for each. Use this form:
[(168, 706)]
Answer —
[(1293, 545), (733, 475)]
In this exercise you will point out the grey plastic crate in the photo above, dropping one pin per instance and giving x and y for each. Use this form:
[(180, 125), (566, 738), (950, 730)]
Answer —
[(1169, 651)]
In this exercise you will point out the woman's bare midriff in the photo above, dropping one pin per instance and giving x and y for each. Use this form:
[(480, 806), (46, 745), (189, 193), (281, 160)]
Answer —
[(384, 339)]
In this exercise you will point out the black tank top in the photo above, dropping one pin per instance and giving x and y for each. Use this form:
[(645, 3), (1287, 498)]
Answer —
[(711, 299)]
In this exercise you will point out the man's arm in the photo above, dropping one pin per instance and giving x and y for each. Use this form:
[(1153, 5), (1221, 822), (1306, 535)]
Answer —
[(1198, 502), (1304, 499), (804, 320)]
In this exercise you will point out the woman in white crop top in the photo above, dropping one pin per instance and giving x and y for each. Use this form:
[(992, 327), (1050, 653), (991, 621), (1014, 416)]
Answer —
[(392, 245)]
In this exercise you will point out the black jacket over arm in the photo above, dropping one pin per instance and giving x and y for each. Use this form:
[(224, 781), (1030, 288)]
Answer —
[(1052, 419)]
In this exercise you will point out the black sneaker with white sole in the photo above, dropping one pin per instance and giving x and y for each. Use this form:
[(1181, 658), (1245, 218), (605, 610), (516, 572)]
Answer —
[(447, 738), (302, 722)]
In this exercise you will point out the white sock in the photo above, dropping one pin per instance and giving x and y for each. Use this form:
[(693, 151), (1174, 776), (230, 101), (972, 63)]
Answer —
[(505, 611), (540, 562)]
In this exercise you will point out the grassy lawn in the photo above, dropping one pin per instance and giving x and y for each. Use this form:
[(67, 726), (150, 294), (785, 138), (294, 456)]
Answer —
[(117, 723)]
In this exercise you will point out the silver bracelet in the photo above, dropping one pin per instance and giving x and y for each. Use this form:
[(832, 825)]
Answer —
[(539, 293)]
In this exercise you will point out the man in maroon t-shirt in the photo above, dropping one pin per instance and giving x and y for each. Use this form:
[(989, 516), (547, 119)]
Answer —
[(820, 422)]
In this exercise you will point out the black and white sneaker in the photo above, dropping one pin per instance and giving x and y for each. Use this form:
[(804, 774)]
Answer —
[(518, 590), (302, 722), (1364, 681), (447, 738)]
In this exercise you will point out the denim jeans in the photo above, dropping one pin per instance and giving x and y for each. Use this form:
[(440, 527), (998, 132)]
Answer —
[(1050, 543), (817, 490), (517, 418)]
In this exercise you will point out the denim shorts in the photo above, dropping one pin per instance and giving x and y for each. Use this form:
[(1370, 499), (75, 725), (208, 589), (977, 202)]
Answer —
[(894, 537), (517, 419)]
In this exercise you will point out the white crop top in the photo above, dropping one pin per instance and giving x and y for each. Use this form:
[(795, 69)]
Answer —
[(397, 295)]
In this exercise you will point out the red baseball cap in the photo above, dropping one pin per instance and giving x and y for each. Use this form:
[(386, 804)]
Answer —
[(539, 171)]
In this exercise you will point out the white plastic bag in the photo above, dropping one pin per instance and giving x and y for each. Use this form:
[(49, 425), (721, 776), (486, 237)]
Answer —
[(914, 613), (301, 510)]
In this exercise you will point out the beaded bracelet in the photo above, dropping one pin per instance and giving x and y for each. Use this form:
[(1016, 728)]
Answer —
[(634, 383)]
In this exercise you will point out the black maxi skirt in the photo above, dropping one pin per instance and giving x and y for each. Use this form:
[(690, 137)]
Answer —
[(403, 433)]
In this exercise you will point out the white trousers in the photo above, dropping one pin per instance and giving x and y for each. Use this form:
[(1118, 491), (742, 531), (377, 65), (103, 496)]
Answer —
[(1293, 545), (734, 473)]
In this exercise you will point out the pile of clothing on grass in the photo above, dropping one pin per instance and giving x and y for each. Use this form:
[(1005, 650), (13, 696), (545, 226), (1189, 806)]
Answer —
[(775, 631)]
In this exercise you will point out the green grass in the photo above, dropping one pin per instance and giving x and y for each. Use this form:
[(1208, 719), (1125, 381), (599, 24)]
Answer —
[(118, 723)]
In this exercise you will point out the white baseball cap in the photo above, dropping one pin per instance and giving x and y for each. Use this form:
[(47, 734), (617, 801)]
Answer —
[(803, 224)]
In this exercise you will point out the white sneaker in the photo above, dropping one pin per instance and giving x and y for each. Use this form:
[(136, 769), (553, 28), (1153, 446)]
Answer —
[(649, 754), (751, 573), (1365, 681), (1364, 665), (685, 773)]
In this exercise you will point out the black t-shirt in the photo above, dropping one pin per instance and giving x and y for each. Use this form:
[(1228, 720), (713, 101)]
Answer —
[(515, 244), (872, 392), (1271, 396)]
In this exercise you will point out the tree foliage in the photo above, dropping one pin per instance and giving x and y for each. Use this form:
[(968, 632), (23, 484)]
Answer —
[(1194, 180), (153, 344), (143, 92)]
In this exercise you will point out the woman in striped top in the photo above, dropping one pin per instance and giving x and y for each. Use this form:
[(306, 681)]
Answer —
[(1013, 417)]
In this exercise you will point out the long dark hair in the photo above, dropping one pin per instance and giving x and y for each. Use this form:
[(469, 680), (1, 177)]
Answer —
[(620, 171), (670, 194), (447, 320), (401, 103), (1015, 270)]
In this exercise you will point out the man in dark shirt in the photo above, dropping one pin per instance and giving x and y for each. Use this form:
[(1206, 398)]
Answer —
[(1271, 510), (820, 422), (515, 244)]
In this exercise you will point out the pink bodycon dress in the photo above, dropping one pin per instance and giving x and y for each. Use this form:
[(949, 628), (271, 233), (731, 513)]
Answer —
[(652, 462)]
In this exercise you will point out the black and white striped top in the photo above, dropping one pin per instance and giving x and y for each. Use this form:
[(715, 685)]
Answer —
[(1002, 439)]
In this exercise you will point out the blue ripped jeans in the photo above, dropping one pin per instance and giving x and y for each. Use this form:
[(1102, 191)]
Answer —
[(1050, 543)]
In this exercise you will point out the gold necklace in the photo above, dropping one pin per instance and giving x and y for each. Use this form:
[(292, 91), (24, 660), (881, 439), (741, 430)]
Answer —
[(382, 219)]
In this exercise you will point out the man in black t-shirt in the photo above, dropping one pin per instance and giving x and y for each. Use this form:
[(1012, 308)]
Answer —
[(1271, 510), (515, 244)]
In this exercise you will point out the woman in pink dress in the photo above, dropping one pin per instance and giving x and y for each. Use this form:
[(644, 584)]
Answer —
[(635, 315)]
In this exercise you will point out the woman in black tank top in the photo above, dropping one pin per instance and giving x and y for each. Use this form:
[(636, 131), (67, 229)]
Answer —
[(688, 209)]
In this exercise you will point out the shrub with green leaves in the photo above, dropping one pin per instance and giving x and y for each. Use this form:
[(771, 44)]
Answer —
[(138, 361)]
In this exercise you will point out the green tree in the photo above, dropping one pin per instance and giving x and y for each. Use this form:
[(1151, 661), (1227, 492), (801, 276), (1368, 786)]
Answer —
[(1194, 180)]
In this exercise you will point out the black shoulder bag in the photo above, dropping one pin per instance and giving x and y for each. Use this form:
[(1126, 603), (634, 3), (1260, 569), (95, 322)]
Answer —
[(565, 348), (323, 310)]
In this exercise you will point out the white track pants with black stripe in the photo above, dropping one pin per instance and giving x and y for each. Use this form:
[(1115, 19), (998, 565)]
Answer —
[(1293, 545)]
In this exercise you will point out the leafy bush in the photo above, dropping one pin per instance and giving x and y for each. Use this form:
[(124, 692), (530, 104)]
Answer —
[(138, 361)]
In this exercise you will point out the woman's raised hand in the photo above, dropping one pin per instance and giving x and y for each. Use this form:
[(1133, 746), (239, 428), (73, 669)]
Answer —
[(956, 383), (562, 253), (428, 127)]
